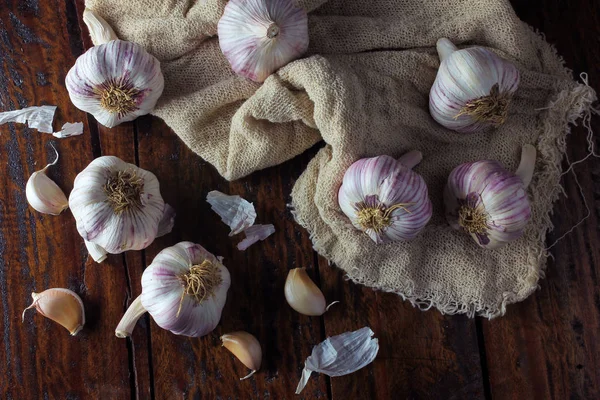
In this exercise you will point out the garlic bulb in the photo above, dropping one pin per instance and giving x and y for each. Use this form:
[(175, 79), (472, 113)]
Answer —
[(488, 202), (341, 355), (385, 199), (60, 305), (43, 194), (260, 36), (473, 88), (246, 348), (184, 290), (303, 295), (115, 81), (117, 205)]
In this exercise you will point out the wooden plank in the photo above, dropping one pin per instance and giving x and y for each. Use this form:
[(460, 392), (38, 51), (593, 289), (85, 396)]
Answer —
[(422, 355), (40, 360), (547, 347), (199, 368)]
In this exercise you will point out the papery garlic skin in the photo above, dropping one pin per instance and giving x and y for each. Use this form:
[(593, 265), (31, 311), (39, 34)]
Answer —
[(385, 199), (488, 202), (117, 205), (169, 298), (473, 88), (260, 36), (246, 348), (115, 82), (62, 306)]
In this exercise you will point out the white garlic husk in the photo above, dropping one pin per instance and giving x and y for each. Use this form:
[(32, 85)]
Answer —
[(60, 305), (43, 194), (303, 295), (184, 290), (260, 36), (117, 205), (473, 88), (246, 348), (488, 202), (384, 198), (116, 81)]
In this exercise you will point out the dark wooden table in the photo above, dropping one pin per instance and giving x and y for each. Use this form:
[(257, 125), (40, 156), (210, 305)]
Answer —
[(544, 348)]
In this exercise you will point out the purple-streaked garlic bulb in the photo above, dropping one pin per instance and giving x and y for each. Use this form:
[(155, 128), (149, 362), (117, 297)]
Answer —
[(384, 198), (473, 88), (184, 290), (118, 207), (116, 80), (488, 202), (260, 36)]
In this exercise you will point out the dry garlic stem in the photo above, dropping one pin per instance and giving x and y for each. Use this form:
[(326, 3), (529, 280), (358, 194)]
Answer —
[(246, 348), (60, 305), (131, 317), (43, 195), (303, 295)]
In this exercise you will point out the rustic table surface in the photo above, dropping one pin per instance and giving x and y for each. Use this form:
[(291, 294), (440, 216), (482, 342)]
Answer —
[(547, 347)]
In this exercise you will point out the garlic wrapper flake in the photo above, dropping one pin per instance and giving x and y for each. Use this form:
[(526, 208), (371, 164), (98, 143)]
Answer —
[(473, 88), (260, 36), (234, 211), (384, 198), (60, 305), (246, 348), (303, 295), (184, 290), (117, 205), (488, 202), (341, 355), (43, 194), (116, 81)]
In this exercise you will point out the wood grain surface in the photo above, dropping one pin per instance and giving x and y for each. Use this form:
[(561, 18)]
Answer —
[(546, 347)]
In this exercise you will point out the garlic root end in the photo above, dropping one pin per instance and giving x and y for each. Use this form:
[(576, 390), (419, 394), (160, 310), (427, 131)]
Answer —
[(444, 48), (527, 164)]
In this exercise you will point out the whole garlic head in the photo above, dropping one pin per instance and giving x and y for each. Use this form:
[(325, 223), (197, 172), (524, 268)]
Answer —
[(117, 205), (260, 36), (115, 82), (488, 202), (384, 198), (473, 88)]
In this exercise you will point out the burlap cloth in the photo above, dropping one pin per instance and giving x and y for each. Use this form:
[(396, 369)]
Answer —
[(363, 89)]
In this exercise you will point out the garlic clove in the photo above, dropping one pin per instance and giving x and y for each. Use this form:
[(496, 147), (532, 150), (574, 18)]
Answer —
[(43, 194), (260, 36), (131, 317), (60, 305), (246, 348), (303, 295)]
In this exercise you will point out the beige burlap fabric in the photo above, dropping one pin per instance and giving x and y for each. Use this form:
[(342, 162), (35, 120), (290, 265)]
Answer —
[(363, 89)]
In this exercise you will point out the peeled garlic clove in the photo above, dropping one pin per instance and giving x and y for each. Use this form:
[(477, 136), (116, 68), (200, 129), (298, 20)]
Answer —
[(116, 82), (260, 36), (303, 295), (246, 348), (384, 198), (60, 305), (43, 194), (488, 202), (473, 88)]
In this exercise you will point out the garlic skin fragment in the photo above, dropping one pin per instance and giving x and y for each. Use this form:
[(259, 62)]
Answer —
[(385, 199), (116, 82), (235, 212), (260, 36), (246, 348), (60, 305), (117, 205), (303, 295), (185, 289), (488, 202), (340, 355), (43, 194), (473, 88), (254, 234)]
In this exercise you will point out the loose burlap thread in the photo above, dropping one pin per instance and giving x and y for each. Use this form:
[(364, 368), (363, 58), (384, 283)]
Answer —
[(363, 89)]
